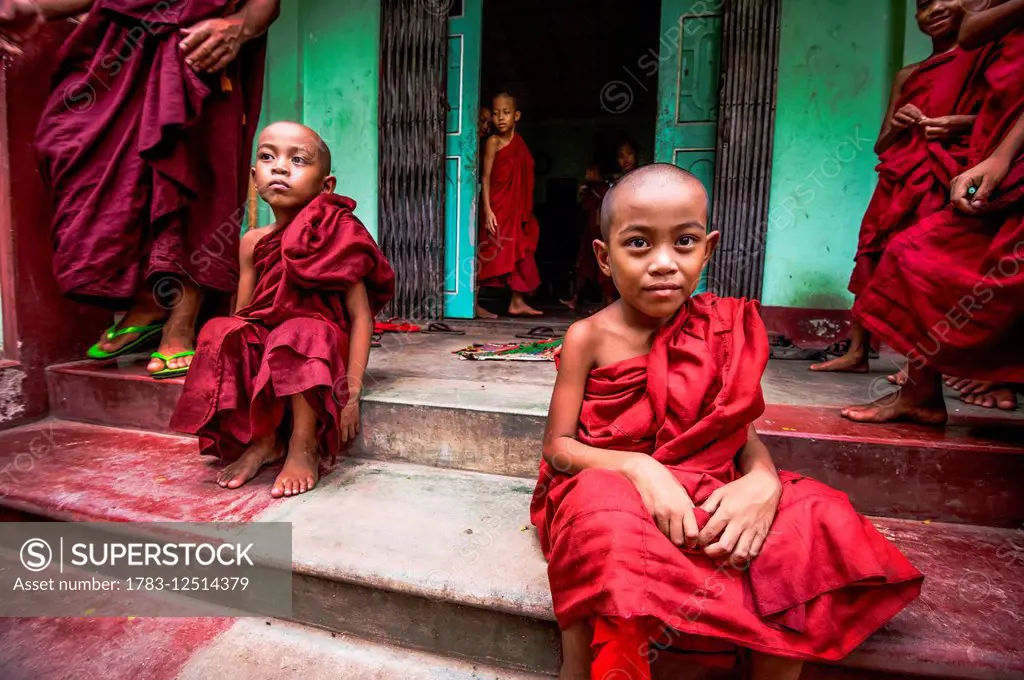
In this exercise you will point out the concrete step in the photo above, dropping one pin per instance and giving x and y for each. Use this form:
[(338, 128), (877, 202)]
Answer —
[(201, 649), (445, 561), (425, 406)]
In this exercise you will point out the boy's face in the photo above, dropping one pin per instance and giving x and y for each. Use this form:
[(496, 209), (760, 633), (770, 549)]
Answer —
[(506, 115), (289, 170), (657, 244), (627, 157), (939, 18), (484, 121)]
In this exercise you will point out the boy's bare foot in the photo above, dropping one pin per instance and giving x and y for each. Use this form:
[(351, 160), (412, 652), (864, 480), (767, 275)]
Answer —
[(970, 386), (919, 401), (570, 303), (1002, 397), (261, 452), (301, 468), (482, 313), (898, 378), (523, 309), (851, 362)]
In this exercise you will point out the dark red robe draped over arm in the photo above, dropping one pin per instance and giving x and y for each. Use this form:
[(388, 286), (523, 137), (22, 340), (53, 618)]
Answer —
[(293, 336), (147, 160), (825, 578), (512, 186), (914, 173), (949, 291)]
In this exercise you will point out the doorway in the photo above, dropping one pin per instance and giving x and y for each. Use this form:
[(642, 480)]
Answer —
[(588, 75)]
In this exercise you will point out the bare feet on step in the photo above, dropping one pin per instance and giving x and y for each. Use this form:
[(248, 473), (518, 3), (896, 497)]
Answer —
[(918, 401), (261, 452), (482, 313), (994, 395), (850, 362), (518, 307), (301, 469)]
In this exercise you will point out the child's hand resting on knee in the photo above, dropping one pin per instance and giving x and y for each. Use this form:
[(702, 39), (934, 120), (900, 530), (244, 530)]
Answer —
[(666, 500), (741, 516)]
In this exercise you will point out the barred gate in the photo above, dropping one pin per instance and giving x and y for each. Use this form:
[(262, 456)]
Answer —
[(746, 127), (413, 106)]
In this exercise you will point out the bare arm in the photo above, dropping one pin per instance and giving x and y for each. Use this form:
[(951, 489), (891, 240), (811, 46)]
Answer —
[(62, 9), (21, 19), (490, 152), (360, 315), (986, 176), (246, 270), (890, 131), (991, 24)]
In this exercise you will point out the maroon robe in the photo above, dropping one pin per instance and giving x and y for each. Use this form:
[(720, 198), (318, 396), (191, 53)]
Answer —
[(147, 160), (949, 291), (587, 270), (825, 578), (291, 338), (914, 173), (506, 258)]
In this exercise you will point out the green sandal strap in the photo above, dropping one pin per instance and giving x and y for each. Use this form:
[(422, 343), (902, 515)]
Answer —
[(164, 358), (114, 332)]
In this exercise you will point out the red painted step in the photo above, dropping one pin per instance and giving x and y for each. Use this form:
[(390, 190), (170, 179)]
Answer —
[(434, 410), (441, 560)]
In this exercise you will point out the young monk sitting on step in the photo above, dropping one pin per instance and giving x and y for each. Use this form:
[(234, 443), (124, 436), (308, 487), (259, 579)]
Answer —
[(659, 509), (509, 231), (295, 351)]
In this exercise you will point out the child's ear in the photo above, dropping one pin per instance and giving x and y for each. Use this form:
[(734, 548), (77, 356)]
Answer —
[(601, 253), (519, 115), (330, 182), (252, 172), (710, 244)]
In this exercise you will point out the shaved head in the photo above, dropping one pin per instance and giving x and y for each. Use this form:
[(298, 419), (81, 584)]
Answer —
[(507, 95), (645, 182), (313, 140)]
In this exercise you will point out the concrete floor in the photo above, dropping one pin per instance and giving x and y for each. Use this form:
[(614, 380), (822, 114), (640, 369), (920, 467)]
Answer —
[(417, 368)]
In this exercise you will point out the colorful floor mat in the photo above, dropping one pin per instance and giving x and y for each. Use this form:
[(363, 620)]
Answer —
[(511, 351)]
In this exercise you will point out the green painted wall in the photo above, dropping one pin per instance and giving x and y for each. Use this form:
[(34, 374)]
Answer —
[(836, 62), (323, 70)]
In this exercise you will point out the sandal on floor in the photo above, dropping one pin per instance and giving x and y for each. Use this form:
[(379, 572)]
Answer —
[(375, 340), (171, 372), (439, 328), (391, 326), (540, 333), (146, 333)]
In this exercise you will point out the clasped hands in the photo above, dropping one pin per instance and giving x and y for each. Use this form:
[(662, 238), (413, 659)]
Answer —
[(741, 511), (941, 127)]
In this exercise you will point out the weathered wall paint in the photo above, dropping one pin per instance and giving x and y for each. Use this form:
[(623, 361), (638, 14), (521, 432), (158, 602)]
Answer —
[(323, 70), (836, 62)]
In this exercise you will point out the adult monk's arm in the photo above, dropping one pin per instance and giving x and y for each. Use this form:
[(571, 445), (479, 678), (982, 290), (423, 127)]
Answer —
[(212, 44), (664, 497), (895, 122), (991, 24), (986, 176), (490, 151)]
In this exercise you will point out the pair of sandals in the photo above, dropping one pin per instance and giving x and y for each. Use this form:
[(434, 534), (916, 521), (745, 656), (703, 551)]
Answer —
[(146, 334)]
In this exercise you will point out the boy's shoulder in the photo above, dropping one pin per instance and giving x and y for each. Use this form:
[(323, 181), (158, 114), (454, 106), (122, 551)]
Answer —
[(588, 332), (253, 236)]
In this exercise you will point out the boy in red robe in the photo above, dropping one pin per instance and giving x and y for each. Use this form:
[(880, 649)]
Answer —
[(592, 192), (298, 344), (509, 231), (660, 511), (949, 291), (921, 147)]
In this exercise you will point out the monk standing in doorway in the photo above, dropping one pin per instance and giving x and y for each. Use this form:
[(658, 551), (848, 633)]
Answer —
[(145, 143), (509, 231)]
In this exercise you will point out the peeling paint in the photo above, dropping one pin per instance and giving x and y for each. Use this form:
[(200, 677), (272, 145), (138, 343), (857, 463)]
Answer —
[(12, 399)]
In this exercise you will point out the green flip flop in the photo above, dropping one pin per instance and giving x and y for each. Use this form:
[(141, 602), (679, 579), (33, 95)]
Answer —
[(145, 334), (171, 372)]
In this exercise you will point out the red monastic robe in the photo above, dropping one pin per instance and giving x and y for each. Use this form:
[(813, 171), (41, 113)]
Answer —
[(587, 270), (506, 258), (949, 291), (147, 160), (825, 578), (914, 173), (291, 338)]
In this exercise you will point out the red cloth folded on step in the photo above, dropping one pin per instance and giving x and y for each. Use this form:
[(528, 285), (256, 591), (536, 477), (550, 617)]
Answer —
[(949, 291), (148, 160), (825, 578), (914, 173), (292, 338), (506, 258)]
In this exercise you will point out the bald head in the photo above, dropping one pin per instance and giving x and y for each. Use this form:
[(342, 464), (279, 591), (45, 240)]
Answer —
[(300, 135), (650, 184)]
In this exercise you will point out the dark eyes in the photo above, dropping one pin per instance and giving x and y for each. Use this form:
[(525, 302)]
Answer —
[(264, 156), (686, 241), (637, 242)]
